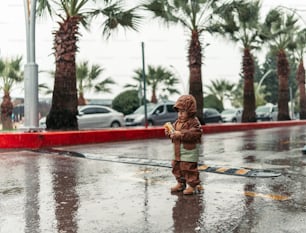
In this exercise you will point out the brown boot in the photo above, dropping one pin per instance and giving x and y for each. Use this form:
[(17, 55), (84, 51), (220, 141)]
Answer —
[(188, 191), (199, 188), (178, 187)]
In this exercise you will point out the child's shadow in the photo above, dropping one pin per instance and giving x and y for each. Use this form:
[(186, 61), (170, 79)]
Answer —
[(187, 213)]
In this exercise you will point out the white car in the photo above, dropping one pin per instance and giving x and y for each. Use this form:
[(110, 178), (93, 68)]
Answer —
[(231, 115), (267, 112), (94, 117)]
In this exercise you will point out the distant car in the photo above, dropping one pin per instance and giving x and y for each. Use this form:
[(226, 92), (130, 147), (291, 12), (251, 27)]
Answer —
[(94, 117), (231, 115), (211, 115), (267, 113), (157, 114)]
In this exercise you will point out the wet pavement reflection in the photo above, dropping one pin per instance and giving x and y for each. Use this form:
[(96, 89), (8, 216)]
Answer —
[(51, 192)]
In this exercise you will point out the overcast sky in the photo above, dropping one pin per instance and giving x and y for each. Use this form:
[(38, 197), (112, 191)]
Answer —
[(121, 55)]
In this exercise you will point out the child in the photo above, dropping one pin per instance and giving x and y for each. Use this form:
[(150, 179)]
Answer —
[(186, 138)]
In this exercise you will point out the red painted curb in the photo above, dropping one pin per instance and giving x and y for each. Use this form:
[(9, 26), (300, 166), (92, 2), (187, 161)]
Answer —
[(35, 140)]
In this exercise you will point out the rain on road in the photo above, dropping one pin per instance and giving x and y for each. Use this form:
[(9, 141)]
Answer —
[(51, 192)]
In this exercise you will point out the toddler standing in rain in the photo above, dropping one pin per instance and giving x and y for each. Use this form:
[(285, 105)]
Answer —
[(186, 138)]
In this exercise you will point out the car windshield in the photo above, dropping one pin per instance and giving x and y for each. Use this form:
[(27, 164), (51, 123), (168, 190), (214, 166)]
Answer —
[(140, 110), (262, 109), (210, 111), (228, 111)]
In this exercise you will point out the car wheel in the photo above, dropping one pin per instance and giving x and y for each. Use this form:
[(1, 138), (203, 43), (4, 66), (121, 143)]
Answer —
[(234, 120), (150, 123), (115, 124)]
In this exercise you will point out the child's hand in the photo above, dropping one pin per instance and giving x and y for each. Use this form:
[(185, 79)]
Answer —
[(175, 134), (167, 133), (168, 128)]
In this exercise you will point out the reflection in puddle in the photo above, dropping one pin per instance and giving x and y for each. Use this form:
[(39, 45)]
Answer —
[(250, 158), (294, 162), (65, 195), (12, 191), (269, 196), (187, 213), (32, 189), (50, 185)]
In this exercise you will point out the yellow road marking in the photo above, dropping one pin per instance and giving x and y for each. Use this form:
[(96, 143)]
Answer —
[(269, 196), (242, 171), (222, 169), (203, 167)]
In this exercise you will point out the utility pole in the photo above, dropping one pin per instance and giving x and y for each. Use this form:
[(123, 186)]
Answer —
[(30, 69), (144, 85)]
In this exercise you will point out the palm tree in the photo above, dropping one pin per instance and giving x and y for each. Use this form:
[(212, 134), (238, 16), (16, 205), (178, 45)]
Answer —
[(278, 29), (158, 78), (86, 77), (239, 21), (194, 16), (221, 89), (10, 74), (237, 95), (138, 78), (72, 13), (300, 73)]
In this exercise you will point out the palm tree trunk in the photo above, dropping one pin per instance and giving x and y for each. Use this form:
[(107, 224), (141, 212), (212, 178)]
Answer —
[(153, 97), (283, 88), (63, 110), (6, 112), (300, 77), (81, 99), (195, 73), (248, 68)]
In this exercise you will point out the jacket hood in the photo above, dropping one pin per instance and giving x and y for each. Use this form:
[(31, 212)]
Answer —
[(187, 103)]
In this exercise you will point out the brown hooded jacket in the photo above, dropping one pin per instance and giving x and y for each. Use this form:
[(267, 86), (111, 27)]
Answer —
[(186, 146)]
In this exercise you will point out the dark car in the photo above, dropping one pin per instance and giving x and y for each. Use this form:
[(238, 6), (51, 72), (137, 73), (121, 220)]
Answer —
[(211, 115), (157, 114)]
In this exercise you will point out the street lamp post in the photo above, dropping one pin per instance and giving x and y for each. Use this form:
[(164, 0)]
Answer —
[(144, 85), (263, 78), (30, 69)]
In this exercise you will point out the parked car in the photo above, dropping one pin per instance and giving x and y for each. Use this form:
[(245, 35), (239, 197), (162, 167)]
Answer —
[(231, 115), (157, 114), (211, 115), (267, 112), (94, 117)]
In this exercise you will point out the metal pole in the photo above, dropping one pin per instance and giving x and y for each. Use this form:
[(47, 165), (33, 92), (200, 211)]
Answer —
[(144, 85), (263, 78), (30, 69), (291, 104), (140, 93)]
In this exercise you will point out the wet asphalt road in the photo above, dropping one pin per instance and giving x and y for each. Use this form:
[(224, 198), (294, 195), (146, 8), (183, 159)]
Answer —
[(43, 192)]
